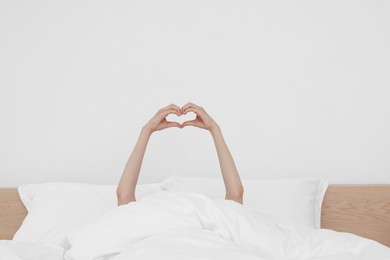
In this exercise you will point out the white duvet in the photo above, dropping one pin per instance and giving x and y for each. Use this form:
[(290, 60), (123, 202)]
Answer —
[(178, 225), (12, 250)]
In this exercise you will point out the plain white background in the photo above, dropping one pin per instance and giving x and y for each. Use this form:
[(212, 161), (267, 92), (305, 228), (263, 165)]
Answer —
[(299, 88)]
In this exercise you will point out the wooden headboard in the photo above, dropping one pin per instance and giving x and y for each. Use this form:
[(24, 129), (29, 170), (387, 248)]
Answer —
[(360, 209)]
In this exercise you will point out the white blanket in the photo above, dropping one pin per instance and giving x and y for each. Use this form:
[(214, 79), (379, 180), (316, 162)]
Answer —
[(178, 225), (12, 250)]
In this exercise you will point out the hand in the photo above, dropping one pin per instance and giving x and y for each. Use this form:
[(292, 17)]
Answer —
[(202, 120), (159, 121)]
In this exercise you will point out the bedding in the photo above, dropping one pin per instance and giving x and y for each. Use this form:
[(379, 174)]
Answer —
[(186, 225), (67, 206), (14, 250), (296, 200), (55, 208)]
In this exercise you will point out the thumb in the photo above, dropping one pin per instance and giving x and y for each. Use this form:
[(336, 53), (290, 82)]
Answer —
[(173, 124), (189, 123)]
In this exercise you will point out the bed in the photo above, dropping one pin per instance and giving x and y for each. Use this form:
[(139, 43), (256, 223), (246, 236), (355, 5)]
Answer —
[(363, 210)]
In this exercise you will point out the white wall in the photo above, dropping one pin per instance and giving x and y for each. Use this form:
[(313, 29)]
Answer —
[(300, 88)]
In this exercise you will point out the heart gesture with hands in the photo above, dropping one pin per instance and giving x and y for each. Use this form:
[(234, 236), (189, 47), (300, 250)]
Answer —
[(202, 119), (128, 181)]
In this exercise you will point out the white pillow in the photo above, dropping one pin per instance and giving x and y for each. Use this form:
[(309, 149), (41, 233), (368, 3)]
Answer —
[(295, 201), (54, 209)]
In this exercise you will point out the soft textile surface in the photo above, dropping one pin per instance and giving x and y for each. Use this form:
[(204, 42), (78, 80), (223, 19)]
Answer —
[(13, 250), (286, 200), (180, 225), (56, 208)]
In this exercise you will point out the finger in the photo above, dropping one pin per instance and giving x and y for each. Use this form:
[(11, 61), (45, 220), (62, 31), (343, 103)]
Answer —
[(165, 113), (190, 123), (188, 105), (195, 110), (176, 107), (173, 124), (171, 111), (164, 110), (185, 106), (173, 106)]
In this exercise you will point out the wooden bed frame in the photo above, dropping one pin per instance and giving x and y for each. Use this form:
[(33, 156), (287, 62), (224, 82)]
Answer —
[(360, 209)]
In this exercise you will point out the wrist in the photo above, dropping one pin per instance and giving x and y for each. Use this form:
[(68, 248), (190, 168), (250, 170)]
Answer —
[(146, 131), (215, 129)]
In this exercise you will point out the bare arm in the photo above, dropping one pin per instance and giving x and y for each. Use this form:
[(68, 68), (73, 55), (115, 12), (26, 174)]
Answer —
[(127, 184), (234, 188), (231, 178), (126, 188)]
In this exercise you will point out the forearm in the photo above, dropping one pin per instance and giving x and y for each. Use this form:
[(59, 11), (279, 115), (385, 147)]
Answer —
[(126, 187), (128, 181), (231, 178)]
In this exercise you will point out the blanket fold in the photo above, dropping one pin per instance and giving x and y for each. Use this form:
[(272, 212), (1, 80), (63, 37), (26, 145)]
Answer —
[(182, 225)]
